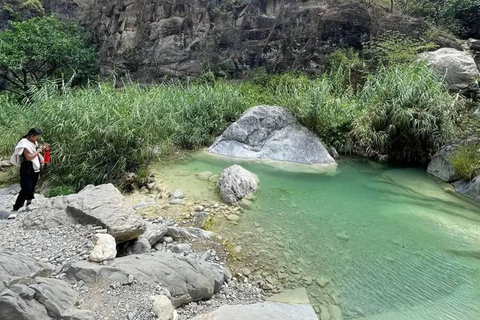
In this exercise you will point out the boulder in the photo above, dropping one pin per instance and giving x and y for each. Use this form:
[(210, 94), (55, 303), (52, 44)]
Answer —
[(440, 165), (469, 188), (186, 279), (268, 132), (458, 68), (105, 206), (163, 308), (261, 311), (101, 205), (105, 248), (154, 232), (236, 183)]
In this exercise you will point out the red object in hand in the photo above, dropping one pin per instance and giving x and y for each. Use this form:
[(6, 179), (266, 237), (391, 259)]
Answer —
[(46, 157)]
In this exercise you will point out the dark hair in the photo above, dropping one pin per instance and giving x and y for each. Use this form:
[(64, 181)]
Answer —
[(33, 132)]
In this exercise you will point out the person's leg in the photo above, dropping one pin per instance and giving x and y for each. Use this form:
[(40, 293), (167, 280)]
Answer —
[(26, 186), (31, 195)]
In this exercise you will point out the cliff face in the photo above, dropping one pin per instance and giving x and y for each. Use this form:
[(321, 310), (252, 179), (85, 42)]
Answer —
[(154, 38)]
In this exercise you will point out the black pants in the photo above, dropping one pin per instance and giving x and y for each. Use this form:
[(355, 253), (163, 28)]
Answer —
[(28, 182)]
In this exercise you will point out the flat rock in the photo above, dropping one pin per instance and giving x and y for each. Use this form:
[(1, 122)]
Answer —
[(236, 183), (186, 279), (261, 311), (15, 266), (295, 296), (270, 132)]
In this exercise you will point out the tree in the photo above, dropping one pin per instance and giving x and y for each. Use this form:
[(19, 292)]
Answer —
[(43, 47)]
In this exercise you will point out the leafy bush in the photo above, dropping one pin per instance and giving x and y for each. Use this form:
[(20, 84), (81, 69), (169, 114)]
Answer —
[(33, 50), (466, 160), (407, 113)]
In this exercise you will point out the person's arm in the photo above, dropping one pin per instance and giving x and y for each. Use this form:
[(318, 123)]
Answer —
[(30, 156)]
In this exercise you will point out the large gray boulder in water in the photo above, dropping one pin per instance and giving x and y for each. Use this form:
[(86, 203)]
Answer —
[(267, 132), (458, 68), (236, 183)]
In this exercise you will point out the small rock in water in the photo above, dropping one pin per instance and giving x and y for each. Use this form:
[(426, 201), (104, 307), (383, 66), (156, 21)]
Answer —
[(322, 281), (233, 217), (176, 201), (324, 314), (178, 194), (335, 312), (342, 236)]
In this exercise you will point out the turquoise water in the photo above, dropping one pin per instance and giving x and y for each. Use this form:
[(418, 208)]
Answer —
[(395, 243)]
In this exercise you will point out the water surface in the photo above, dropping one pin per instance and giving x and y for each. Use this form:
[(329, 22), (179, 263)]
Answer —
[(395, 243)]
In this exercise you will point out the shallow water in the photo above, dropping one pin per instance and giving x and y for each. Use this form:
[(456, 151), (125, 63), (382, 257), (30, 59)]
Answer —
[(394, 242)]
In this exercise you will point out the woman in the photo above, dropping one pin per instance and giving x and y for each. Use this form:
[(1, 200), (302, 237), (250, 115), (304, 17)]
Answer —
[(29, 159)]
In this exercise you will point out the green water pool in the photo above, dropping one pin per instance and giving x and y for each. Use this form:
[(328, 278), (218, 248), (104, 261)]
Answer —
[(395, 243)]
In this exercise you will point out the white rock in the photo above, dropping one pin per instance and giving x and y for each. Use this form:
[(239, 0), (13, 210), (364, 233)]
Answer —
[(105, 248), (163, 308), (236, 183)]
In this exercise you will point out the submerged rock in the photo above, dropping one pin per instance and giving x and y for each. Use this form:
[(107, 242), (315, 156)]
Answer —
[(261, 311), (236, 183), (268, 132)]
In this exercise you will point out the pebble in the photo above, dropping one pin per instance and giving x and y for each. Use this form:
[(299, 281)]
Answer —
[(233, 217)]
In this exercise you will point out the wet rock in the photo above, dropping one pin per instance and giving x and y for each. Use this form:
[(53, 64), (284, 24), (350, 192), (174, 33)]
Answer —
[(268, 132), (335, 312), (178, 194), (176, 201), (233, 217), (261, 311), (440, 165), (105, 248), (322, 281), (236, 183), (469, 188), (324, 314)]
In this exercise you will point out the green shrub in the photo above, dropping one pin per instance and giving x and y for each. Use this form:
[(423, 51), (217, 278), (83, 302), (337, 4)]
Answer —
[(61, 191), (466, 160), (407, 114)]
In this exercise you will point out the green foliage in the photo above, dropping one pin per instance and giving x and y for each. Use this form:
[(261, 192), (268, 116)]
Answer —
[(467, 15), (43, 47), (61, 191), (99, 133), (466, 160), (392, 48), (407, 113)]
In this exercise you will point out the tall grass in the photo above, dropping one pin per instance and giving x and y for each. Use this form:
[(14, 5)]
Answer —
[(98, 133)]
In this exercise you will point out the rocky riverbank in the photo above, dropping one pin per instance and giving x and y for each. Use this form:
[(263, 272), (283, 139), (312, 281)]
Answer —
[(56, 237)]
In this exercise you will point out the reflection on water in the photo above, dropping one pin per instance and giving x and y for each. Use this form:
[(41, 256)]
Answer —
[(394, 243)]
